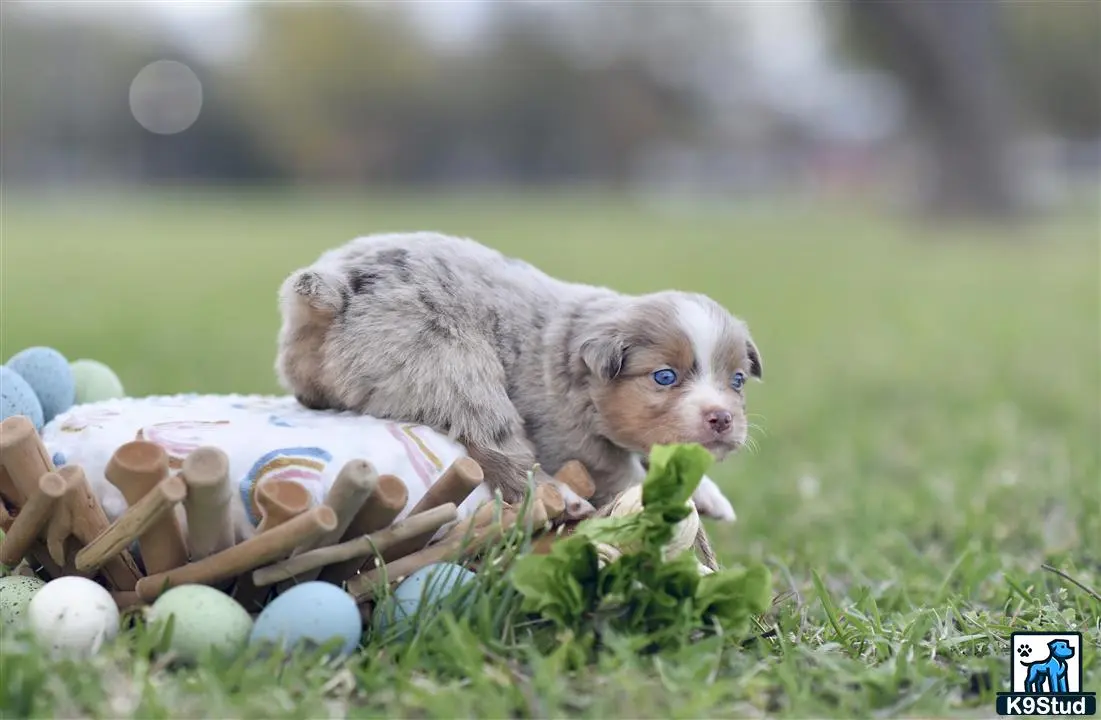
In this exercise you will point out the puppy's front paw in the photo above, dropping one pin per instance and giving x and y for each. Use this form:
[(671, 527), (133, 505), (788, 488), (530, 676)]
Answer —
[(577, 507), (710, 501)]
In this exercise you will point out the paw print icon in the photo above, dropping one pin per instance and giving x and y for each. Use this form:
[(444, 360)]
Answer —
[(1024, 651)]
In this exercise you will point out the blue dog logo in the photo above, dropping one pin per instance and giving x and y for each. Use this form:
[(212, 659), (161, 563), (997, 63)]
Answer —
[(1051, 671)]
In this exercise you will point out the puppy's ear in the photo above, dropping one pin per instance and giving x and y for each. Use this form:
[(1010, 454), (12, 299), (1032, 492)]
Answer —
[(318, 290), (756, 368), (604, 353)]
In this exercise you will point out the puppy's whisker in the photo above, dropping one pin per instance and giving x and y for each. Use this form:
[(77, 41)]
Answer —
[(758, 428)]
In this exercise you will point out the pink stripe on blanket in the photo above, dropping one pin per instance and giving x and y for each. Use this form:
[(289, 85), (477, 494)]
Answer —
[(293, 473), (416, 457)]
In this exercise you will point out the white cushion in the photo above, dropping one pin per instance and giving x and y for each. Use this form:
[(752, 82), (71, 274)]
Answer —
[(264, 437)]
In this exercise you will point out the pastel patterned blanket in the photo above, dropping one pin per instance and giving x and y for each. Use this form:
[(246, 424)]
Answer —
[(265, 438)]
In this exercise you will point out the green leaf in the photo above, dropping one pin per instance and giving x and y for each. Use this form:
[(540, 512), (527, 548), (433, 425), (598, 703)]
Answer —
[(675, 473), (640, 597), (559, 585), (733, 596)]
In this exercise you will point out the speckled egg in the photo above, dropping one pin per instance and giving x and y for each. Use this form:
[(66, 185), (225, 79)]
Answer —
[(72, 617), (95, 381), (312, 613), (47, 372), (18, 398), (431, 586), (205, 621), (16, 592)]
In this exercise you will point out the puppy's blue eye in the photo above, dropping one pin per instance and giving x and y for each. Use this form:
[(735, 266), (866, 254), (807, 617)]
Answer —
[(665, 377), (737, 381)]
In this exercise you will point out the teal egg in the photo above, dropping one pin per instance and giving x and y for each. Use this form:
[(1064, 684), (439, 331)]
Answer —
[(16, 592), (310, 614), (18, 398), (49, 375), (204, 621), (429, 587), (95, 381)]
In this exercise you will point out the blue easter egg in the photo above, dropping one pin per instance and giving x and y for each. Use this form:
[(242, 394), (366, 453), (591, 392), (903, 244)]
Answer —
[(18, 398), (430, 587), (312, 613), (48, 373)]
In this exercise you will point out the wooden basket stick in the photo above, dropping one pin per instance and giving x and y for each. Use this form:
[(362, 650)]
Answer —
[(32, 519), (486, 513), (135, 469), (379, 510), (552, 500), (362, 587), (574, 475), (9, 491), (84, 519), (126, 599), (132, 524), (208, 506), (24, 458), (280, 501), (453, 486), (352, 487), (252, 553), (360, 549)]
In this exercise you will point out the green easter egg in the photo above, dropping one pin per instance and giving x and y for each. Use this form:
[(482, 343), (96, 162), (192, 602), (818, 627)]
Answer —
[(205, 620), (95, 382), (16, 592)]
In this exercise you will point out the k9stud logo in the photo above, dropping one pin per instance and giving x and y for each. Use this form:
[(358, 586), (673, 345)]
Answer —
[(1046, 670)]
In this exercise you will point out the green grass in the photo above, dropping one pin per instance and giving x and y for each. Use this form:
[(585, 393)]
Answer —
[(928, 436)]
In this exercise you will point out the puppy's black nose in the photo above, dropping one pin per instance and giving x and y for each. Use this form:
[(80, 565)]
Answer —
[(720, 421)]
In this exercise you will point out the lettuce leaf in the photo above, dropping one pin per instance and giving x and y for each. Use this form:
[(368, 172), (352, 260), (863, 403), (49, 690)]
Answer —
[(641, 596)]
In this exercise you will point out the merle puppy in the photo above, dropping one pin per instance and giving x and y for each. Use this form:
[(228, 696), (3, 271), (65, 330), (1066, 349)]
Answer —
[(518, 366)]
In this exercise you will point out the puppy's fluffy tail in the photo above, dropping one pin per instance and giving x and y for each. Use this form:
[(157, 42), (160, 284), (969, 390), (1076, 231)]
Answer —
[(314, 291), (309, 301)]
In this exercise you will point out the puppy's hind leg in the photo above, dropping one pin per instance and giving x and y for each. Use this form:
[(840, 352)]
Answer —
[(505, 462), (469, 395), (457, 386)]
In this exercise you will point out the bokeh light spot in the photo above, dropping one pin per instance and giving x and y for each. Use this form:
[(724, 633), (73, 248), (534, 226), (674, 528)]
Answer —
[(166, 97)]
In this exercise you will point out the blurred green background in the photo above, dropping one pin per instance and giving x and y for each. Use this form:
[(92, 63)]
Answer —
[(913, 390), (900, 198)]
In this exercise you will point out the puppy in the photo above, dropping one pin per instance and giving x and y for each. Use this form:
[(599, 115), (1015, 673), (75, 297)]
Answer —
[(519, 367)]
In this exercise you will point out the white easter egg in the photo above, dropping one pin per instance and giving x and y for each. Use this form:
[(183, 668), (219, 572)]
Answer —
[(73, 616)]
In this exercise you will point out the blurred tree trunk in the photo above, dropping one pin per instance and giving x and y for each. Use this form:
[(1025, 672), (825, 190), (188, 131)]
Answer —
[(947, 55)]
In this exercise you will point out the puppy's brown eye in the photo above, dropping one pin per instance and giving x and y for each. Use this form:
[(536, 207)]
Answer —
[(737, 381)]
